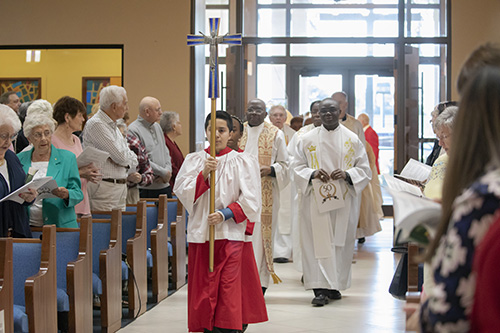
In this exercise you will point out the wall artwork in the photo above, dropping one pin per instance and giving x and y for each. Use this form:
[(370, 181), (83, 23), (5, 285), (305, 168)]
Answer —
[(91, 87), (28, 89)]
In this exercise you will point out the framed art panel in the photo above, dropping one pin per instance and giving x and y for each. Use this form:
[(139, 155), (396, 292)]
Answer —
[(91, 87), (28, 89)]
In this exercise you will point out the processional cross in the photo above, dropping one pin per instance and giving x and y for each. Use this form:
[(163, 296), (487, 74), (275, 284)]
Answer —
[(213, 93)]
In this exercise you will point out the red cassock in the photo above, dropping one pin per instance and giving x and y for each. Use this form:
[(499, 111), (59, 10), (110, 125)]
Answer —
[(372, 138)]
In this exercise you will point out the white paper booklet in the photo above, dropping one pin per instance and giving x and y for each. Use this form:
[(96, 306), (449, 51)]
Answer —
[(411, 211), (45, 191), (395, 184), (416, 170), (34, 184), (329, 196), (91, 154)]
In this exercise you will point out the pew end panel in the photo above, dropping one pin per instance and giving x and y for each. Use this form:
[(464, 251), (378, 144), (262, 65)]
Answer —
[(6, 284)]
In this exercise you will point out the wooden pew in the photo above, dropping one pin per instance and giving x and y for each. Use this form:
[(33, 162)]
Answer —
[(77, 273), (178, 239), (6, 284), (40, 290), (107, 259), (158, 242), (135, 248)]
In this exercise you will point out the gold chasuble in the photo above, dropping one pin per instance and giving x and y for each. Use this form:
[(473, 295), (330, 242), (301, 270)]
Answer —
[(266, 141)]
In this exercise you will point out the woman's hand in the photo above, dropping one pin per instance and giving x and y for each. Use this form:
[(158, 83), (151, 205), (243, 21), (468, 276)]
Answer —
[(210, 165), (29, 196), (321, 175), (61, 192), (215, 218), (90, 172)]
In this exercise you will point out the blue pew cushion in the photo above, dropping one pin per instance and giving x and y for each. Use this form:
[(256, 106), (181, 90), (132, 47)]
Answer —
[(149, 258), (124, 271), (170, 249), (20, 319), (96, 285), (62, 301)]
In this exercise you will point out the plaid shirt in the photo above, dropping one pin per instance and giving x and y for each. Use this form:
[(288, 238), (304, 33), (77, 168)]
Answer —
[(144, 168)]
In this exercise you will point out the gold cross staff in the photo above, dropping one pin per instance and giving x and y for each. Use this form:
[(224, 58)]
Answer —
[(213, 93)]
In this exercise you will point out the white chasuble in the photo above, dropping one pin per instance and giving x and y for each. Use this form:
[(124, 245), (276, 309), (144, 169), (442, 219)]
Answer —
[(328, 238)]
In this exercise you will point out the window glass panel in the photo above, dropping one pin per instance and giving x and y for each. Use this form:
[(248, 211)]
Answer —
[(223, 29), (221, 101), (425, 2), (270, 2), (217, 2), (344, 22), (329, 2), (429, 81), (271, 81), (425, 23), (271, 50), (374, 95), (342, 50), (272, 23), (313, 88)]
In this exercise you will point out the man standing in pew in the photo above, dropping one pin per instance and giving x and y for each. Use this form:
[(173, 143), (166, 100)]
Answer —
[(102, 133), (149, 132)]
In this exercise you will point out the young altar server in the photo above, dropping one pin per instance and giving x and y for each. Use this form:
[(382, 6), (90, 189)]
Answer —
[(225, 300)]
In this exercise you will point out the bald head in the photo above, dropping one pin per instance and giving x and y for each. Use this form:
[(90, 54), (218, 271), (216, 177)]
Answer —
[(150, 109), (341, 98), (364, 119)]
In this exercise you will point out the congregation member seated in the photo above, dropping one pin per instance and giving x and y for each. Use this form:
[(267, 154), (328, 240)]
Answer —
[(60, 165), (70, 114), (13, 217), (172, 128), (102, 133)]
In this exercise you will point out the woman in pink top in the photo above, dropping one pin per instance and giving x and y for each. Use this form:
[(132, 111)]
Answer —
[(70, 114)]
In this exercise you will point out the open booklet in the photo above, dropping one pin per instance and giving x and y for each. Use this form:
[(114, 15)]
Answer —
[(415, 217), (415, 172), (35, 184), (91, 154)]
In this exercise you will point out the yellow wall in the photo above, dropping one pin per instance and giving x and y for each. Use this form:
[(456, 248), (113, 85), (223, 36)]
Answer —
[(61, 71), (153, 32), (473, 23)]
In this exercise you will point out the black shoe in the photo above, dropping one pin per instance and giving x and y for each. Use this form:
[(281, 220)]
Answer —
[(280, 260), (334, 294), (320, 300), (361, 240), (264, 291)]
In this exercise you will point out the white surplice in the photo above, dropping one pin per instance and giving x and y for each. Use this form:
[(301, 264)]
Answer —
[(237, 179), (283, 235), (279, 161), (328, 238)]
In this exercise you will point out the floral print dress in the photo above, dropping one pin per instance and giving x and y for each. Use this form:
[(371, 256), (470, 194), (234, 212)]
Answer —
[(449, 303)]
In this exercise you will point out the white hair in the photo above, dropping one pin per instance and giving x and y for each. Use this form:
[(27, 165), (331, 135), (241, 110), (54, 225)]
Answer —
[(167, 120), (110, 95), (446, 118), (40, 106), (275, 107), (9, 117), (37, 119)]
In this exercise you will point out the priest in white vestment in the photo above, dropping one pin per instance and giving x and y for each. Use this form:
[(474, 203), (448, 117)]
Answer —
[(283, 232), (267, 143), (329, 154)]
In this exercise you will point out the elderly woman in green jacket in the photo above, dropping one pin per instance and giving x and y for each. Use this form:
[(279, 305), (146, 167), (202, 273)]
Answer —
[(60, 165)]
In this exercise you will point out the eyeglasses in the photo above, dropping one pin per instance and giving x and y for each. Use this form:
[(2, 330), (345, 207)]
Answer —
[(443, 137), (39, 135), (329, 110), (255, 110), (7, 136)]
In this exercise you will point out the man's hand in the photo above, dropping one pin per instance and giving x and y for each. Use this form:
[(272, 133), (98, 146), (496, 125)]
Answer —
[(29, 196), (210, 165), (321, 175), (61, 192), (265, 170), (338, 174), (134, 178), (215, 218)]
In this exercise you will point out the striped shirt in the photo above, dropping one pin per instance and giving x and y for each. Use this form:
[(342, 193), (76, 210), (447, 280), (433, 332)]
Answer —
[(102, 133)]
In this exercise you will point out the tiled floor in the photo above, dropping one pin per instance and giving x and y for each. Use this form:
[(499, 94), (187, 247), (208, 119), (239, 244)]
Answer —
[(365, 307)]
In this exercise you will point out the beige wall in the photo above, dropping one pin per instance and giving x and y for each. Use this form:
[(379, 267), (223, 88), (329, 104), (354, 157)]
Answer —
[(474, 22), (153, 32)]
